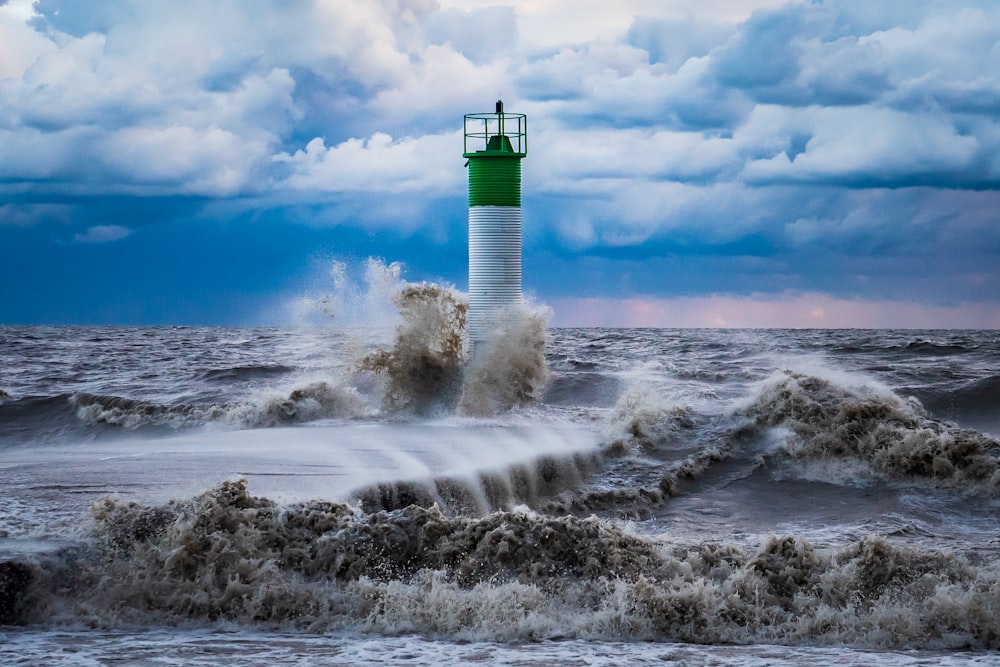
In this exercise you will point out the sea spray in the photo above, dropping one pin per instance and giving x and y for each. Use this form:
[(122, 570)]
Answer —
[(427, 369), (360, 297), (511, 368)]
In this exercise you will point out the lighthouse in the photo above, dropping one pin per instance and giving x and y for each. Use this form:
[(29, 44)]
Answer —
[(495, 144)]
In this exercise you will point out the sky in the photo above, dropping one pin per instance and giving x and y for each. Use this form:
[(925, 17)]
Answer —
[(691, 163)]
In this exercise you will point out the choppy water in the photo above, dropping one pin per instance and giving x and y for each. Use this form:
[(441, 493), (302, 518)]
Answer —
[(706, 497)]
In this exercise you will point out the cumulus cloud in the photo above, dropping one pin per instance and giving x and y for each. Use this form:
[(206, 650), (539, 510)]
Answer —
[(806, 93), (20, 45), (870, 146), (708, 127), (376, 164)]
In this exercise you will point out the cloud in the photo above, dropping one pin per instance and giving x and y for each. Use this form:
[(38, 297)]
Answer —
[(800, 93), (25, 215), (103, 234), (875, 147), (674, 41), (478, 34), (826, 147), (795, 311), (20, 45), (377, 164)]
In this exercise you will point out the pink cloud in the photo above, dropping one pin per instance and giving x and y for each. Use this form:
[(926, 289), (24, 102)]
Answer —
[(808, 310)]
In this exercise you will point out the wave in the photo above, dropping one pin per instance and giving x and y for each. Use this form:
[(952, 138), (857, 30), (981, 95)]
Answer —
[(872, 428), (533, 483), (930, 348), (585, 388), (424, 367), (975, 403), (654, 452), (25, 415), (245, 373), (35, 416), (511, 370), (920, 347), (229, 557), (318, 400), (424, 372)]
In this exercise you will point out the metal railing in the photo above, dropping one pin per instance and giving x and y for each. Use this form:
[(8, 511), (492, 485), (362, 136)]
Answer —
[(480, 128)]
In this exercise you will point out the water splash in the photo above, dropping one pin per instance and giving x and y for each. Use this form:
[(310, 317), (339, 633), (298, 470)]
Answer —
[(361, 297), (424, 366), (511, 370), (427, 369)]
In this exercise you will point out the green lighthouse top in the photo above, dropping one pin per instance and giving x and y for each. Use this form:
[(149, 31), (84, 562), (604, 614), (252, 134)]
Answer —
[(497, 134)]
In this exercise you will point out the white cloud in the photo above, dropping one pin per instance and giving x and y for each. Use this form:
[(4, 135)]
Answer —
[(426, 165), (697, 120), (554, 23), (872, 146), (103, 234), (438, 87), (603, 108), (478, 34), (20, 45)]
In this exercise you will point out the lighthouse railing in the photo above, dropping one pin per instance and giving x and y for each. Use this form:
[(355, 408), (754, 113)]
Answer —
[(481, 127)]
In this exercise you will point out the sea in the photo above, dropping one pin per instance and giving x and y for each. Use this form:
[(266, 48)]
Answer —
[(346, 495)]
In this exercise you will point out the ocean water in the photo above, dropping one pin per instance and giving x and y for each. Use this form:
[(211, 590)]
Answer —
[(213, 496)]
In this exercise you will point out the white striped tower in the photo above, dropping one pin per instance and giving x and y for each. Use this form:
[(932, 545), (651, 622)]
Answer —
[(495, 144)]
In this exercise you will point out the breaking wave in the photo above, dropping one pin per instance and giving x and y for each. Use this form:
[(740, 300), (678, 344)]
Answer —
[(425, 370), (227, 556), (973, 403), (877, 431), (532, 484), (317, 400), (651, 457)]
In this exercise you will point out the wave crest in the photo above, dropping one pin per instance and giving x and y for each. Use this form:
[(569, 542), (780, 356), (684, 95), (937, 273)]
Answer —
[(892, 437), (318, 566), (317, 400)]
